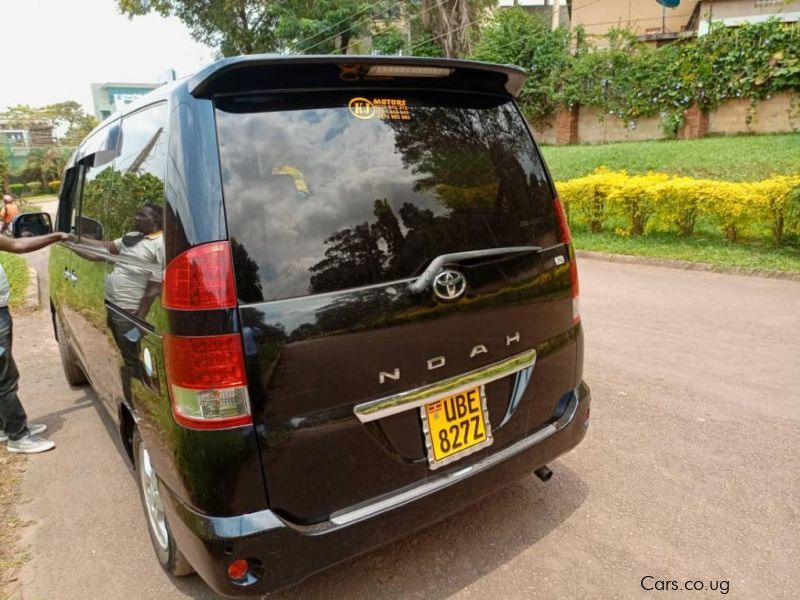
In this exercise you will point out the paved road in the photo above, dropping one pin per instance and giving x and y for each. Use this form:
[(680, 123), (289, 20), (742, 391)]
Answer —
[(690, 469)]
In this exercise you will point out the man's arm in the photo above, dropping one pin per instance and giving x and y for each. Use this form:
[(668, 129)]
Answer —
[(111, 247), (151, 292), (23, 245)]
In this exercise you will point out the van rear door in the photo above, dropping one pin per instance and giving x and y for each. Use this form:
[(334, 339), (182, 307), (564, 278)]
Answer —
[(387, 243)]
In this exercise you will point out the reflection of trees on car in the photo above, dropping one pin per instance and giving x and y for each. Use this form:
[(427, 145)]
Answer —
[(472, 162), (477, 151), (127, 192), (248, 283)]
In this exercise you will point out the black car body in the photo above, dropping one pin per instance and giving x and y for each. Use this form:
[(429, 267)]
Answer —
[(331, 300)]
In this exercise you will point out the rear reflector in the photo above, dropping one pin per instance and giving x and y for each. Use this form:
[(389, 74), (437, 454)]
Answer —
[(566, 238), (201, 278), (238, 569), (208, 385)]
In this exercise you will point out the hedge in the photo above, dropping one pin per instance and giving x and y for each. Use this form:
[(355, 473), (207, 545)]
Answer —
[(658, 202), (54, 185), (34, 187)]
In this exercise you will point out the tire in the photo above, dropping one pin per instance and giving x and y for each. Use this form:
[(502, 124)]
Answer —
[(171, 558), (72, 369)]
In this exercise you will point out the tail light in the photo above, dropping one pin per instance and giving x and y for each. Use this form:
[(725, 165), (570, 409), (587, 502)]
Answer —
[(201, 278), (206, 374), (207, 381), (566, 237)]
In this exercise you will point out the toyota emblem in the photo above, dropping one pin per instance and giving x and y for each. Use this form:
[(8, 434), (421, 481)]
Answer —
[(449, 285)]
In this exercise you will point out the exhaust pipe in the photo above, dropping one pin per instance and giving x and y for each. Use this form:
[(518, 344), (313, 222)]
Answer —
[(544, 473)]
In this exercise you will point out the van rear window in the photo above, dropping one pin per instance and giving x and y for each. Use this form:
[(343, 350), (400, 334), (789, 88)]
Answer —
[(330, 191)]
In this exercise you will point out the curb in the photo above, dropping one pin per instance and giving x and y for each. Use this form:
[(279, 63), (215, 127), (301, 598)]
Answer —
[(686, 265), (31, 302)]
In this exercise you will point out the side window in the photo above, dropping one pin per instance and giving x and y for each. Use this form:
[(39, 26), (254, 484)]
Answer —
[(97, 183), (141, 167), (135, 214)]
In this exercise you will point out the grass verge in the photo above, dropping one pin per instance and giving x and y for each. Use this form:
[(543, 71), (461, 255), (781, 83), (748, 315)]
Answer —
[(11, 559), (17, 272), (730, 158), (754, 254)]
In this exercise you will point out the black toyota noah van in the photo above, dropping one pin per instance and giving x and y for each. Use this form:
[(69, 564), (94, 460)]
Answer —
[(330, 300)]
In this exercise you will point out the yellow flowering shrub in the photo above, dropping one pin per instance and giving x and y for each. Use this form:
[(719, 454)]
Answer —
[(730, 204), (776, 201), (656, 201), (635, 198), (678, 204), (584, 198)]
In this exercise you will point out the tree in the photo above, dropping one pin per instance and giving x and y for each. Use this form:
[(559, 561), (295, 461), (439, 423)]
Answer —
[(516, 37), (322, 26), (232, 26), (47, 163), (325, 26), (258, 26), (453, 24), (3, 171), (68, 114)]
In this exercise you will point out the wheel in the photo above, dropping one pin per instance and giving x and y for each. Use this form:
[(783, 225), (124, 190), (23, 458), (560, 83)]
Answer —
[(167, 551), (72, 370)]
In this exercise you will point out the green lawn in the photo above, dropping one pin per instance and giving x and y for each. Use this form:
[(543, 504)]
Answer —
[(17, 272), (748, 254), (732, 158)]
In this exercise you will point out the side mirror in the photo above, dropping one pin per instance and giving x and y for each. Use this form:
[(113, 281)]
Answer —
[(32, 224), (90, 228)]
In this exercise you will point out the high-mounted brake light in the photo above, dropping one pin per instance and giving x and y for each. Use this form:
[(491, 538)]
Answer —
[(207, 380), (407, 71), (566, 238), (200, 278)]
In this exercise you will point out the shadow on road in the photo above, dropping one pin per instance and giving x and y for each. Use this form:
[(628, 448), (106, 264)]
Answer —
[(449, 556), (433, 563)]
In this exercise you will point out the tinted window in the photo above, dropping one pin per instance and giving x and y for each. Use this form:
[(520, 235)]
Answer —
[(139, 169), (330, 191), (136, 215), (97, 182)]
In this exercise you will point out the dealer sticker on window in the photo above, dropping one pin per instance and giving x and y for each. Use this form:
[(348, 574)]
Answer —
[(390, 109)]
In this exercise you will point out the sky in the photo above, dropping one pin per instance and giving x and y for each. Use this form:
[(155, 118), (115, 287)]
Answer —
[(51, 50)]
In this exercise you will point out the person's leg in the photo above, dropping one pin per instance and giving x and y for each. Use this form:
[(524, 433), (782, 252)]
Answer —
[(21, 438), (12, 416)]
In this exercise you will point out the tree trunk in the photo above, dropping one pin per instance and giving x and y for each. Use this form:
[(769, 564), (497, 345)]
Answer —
[(344, 42), (449, 22)]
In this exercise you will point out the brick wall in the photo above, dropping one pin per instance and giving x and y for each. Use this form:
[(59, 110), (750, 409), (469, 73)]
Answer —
[(567, 126), (588, 125), (779, 113)]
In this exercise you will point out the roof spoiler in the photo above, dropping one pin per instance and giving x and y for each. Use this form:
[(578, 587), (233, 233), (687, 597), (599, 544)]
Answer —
[(266, 72)]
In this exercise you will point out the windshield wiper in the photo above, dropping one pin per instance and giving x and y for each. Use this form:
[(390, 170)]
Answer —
[(424, 280)]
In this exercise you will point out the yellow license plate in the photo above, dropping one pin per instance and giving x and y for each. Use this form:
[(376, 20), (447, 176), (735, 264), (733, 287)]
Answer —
[(456, 426)]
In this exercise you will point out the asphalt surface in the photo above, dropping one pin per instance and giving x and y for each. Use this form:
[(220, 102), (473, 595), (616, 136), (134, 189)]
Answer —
[(689, 471)]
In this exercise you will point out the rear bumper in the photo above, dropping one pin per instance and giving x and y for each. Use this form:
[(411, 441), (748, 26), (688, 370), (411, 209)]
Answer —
[(289, 553)]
